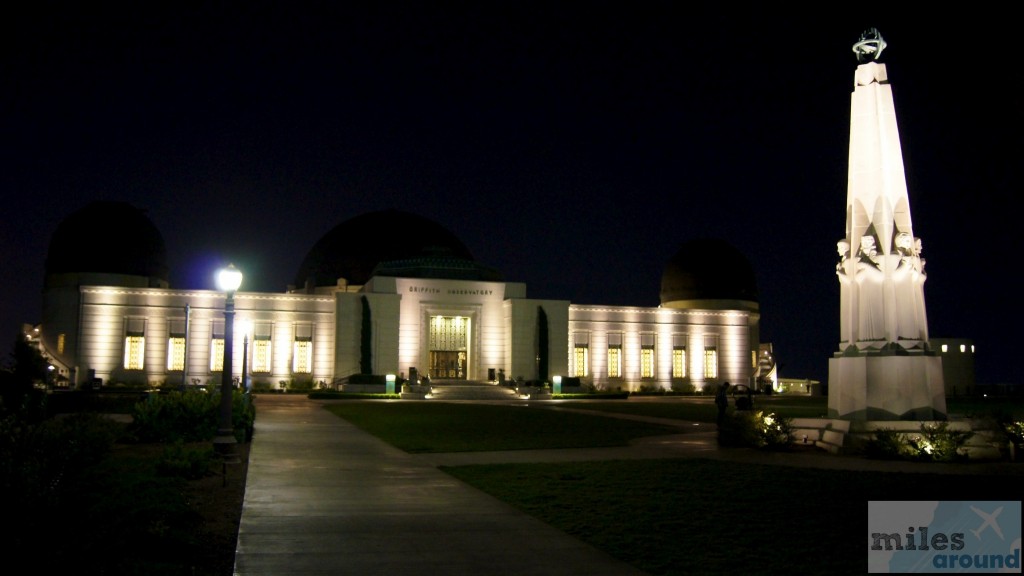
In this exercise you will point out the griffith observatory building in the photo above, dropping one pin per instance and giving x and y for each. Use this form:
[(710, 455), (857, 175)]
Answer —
[(413, 303)]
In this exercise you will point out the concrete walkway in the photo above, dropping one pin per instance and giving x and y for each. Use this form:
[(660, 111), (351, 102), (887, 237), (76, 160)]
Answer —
[(324, 497)]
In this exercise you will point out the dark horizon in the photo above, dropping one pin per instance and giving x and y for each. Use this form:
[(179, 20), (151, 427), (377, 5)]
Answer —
[(573, 151)]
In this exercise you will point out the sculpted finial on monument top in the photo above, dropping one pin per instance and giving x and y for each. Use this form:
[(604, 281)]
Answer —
[(870, 46)]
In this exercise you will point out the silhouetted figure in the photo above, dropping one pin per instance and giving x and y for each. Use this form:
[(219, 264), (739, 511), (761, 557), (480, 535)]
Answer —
[(722, 401)]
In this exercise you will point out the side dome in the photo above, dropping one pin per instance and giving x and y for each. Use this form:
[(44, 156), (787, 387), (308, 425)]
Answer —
[(708, 269), (387, 243), (108, 237)]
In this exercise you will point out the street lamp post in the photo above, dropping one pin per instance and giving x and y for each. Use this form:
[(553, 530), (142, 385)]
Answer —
[(184, 364), (228, 280)]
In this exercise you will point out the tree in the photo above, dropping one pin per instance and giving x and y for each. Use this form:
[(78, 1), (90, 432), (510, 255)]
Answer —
[(542, 344), (366, 340), (25, 368)]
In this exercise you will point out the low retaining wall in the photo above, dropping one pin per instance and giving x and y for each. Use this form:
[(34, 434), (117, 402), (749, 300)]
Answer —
[(845, 436)]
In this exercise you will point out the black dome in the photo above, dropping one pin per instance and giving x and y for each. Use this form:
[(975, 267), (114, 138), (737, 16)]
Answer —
[(108, 237), (708, 269), (388, 243)]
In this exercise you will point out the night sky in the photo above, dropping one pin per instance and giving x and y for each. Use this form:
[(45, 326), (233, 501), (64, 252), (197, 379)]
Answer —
[(572, 146)]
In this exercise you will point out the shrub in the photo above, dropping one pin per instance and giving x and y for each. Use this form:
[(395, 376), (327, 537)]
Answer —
[(755, 430), (176, 416), (189, 417), (935, 443), (887, 444), (301, 385), (1014, 431), (39, 461), (938, 443), (683, 387), (190, 463)]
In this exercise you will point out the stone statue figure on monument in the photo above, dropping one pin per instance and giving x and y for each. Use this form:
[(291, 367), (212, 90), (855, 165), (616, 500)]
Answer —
[(870, 279)]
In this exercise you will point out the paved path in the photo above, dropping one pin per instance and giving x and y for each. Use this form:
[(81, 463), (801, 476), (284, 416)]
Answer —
[(323, 497)]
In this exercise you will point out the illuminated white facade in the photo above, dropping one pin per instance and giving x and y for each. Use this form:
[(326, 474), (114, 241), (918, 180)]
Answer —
[(495, 330), (884, 368), (405, 309)]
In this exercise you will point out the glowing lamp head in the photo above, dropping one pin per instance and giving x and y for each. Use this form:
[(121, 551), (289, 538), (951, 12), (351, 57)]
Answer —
[(229, 279)]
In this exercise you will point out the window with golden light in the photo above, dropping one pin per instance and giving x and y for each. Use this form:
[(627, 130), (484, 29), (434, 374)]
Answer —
[(679, 362), (581, 360), (217, 355), (176, 344), (710, 363), (176, 353), (134, 352), (217, 346), (302, 350), (581, 354), (614, 361), (261, 348), (134, 343), (647, 355)]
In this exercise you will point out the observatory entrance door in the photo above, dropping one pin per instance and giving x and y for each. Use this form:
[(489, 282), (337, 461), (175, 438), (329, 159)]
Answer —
[(449, 350)]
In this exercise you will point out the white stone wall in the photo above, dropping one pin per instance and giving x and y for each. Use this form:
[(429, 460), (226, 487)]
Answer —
[(520, 320), (502, 334), (481, 302), (730, 331), (105, 310)]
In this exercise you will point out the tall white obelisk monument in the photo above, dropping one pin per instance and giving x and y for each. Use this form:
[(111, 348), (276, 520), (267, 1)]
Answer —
[(884, 369)]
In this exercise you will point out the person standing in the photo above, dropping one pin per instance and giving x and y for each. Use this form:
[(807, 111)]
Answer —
[(722, 401)]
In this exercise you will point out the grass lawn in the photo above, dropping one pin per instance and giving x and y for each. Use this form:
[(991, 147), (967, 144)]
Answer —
[(694, 516), (678, 516), (447, 427)]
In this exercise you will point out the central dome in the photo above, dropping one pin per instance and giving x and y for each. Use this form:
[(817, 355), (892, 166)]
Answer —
[(388, 243)]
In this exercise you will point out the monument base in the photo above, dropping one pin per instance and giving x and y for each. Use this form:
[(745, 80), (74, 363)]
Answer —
[(884, 387)]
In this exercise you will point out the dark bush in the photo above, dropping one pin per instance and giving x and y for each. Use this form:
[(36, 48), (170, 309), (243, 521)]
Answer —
[(180, 461), (189, 417)]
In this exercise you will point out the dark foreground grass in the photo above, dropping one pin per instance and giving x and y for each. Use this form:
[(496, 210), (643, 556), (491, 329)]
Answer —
[(667, 517), (695, 516), (445, 427)]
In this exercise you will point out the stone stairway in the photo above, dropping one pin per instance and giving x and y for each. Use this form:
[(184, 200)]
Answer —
[(470, 390)]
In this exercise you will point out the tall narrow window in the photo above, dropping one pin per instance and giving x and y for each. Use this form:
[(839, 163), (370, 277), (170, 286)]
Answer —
[(710, 363), (217, 346), (302, 354), (647, 355), (134, 343), (679, 356), (176, 344), (581, 354), (261, 348), (60, 343), (614, 355)]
